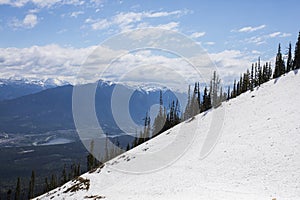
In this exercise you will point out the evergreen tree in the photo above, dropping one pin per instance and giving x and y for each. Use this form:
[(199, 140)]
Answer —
[(90, 157), (177, 113), (270, 72), (160, 119), (228, 93), (148, 135), (172, 111), (8, 194), (198, 96), (53, 182), (128, 147), (78, 170), (246, 82), (64, 176), (256, 76), (214, 89), (238, 92), (279, 64), (267, 72), (192, 108), (289, 62), (135, 141), (173, 116), (18, 190), (264, 73), (259, 73), (252, 78), (46, 187), (106, 154), (187, 113), (204, 97), (234, 92), (241, 85), (206, 103), (145, 134), (195, 104), (31, 185), (141, 138), (296, 62), (221, 96)]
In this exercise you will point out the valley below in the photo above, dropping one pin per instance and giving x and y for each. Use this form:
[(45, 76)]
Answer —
[(45, 160)]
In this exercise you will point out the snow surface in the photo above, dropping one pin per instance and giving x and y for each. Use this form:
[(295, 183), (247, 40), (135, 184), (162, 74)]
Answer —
[(257, 155)]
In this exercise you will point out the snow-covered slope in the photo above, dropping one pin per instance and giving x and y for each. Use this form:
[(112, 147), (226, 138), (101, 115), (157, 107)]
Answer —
[(257, 155)]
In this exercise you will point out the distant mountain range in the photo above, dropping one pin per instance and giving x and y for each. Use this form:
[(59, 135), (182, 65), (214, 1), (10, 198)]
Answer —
[(16, 87), (49, 108)]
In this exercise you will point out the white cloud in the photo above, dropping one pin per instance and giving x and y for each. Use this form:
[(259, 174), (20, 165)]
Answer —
[(251, 29), (129, 20), (4, 1), (64, 63), (34, 11), (164, 14), (99, 25), (278, 34), (231, 63), (62, 31), (255, 52), (198, 34), (285, 35), (29, 21), (210, 43), (21, 3), (50, 61), (40, 3), (168, 26), (76, 14), (272, 35), (258, 40)]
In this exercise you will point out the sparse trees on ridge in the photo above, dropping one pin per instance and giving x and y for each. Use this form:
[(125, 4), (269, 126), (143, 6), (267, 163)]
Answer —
[(211, 97)]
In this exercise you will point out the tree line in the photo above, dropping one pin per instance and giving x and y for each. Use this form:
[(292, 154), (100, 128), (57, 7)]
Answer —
[(257, 75), (213, 95), (21, 191)]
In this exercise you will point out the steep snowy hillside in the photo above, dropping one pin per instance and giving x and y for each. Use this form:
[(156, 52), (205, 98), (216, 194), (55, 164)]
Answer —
[(257, 155)]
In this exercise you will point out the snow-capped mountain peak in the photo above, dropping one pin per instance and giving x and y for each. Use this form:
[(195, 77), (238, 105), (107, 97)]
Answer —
[(49, 82)]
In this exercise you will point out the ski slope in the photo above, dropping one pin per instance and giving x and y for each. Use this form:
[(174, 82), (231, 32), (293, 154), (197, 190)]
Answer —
[(257, 155)]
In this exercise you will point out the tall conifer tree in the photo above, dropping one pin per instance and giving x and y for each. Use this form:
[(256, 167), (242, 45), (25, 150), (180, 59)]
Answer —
[(289, 62), (296, 63), (18, 190), (279, 64)]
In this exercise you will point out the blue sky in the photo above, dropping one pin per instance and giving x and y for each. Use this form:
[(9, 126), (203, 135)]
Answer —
[(240, 30)]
